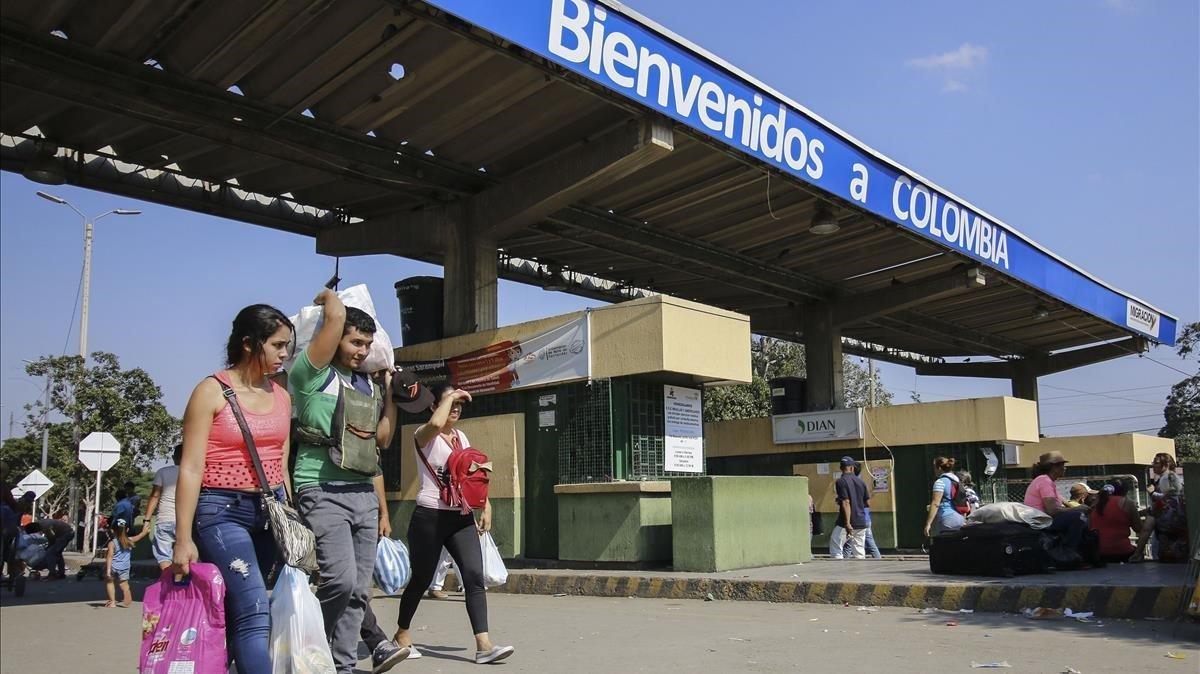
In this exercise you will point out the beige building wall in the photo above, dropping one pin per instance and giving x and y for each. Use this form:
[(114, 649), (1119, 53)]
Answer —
[(654, 334), (1001, 419), (820, 484), (501, 437), (1095, 450)]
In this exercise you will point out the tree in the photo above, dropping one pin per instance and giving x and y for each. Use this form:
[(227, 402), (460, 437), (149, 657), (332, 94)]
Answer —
[(102, 397), (770, 358), (1182, 411)]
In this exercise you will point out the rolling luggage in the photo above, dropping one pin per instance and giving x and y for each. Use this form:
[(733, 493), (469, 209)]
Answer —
[(1002, 549)]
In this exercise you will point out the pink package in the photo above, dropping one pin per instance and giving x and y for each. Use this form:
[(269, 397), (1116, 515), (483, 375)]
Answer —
[(183, 624)]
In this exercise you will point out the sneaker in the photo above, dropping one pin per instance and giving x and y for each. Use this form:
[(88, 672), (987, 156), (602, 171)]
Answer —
[(437, 594), (496, 654), (387, 655), (413, 653)]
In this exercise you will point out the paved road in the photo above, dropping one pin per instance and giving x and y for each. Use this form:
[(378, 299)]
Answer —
[(583, 634)]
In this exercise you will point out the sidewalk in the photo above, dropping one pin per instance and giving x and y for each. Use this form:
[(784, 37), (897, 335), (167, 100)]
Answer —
[(1147, 590), (1116, 591)]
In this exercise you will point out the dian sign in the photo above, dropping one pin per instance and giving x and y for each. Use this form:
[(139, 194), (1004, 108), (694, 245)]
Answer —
[(35, 482), (99, 451), (817, 426)]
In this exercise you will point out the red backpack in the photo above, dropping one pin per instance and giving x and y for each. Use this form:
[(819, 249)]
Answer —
[(469, 472)]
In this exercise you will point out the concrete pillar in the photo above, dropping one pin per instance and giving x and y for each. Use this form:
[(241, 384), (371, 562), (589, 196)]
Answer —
[(823, 358), (470, 297), (1024, 383)]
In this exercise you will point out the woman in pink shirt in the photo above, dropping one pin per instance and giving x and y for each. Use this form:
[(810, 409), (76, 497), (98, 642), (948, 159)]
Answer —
[(220, 514), (1069, 523)]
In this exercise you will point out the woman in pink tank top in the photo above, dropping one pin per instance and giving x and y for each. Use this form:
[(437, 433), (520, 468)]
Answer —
[(219, 512)]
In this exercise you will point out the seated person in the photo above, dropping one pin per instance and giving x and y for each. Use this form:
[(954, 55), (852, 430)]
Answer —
[(1081, 495), (943, 514), (1114, 517), (1069, 523)]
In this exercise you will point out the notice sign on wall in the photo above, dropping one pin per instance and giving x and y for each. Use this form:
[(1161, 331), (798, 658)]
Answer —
[(683, 442)]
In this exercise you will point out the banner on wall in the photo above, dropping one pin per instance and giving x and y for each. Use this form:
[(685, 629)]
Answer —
[(557, 355)]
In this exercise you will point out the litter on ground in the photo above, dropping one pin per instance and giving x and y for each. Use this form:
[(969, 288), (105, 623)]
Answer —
[(1003, 664)]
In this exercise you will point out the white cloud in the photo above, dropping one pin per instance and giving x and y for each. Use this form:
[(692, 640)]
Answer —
[(955, 66), (965, 57), (953, 87)]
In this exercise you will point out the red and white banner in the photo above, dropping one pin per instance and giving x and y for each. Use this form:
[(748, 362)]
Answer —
[(557, 355)]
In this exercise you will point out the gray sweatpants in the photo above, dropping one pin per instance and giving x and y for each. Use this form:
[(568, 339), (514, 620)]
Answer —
[(345, 520)]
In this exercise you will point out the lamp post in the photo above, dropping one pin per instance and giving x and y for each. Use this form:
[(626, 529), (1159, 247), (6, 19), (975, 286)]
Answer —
[(88, 226)]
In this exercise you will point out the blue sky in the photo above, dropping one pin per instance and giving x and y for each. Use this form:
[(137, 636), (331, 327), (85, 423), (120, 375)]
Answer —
[(1077, 123)]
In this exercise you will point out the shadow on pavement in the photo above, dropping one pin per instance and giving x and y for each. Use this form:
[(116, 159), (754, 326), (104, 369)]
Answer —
[(1168, 633)]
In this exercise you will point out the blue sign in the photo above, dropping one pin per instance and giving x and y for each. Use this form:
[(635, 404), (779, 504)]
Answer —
[(624, 54)]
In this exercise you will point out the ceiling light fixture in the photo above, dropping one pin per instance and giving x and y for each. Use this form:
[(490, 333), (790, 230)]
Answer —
[(823, 221), (45, 168)]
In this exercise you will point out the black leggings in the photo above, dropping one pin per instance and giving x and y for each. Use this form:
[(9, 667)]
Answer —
[(428, 532)]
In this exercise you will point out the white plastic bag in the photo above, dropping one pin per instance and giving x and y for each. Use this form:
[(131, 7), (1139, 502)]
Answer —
[(494, 572), (298, 643), (392, 569), (310, 318)]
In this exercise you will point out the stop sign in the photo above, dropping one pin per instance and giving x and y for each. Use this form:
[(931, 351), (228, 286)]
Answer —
[(99, 451)]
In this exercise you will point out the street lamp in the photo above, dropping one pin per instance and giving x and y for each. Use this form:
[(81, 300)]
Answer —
[(88, 224)]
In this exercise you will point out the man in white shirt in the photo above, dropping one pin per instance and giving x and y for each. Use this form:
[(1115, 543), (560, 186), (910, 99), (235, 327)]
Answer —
[(162, 502)]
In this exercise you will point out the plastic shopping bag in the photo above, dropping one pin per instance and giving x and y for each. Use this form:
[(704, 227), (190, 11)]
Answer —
[(310, 318), (494, 572), (298, 644), (183, 623), (392, 569)]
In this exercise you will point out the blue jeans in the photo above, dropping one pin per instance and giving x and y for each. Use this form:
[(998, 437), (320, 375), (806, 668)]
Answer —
[(231, 533), (1070, 525)]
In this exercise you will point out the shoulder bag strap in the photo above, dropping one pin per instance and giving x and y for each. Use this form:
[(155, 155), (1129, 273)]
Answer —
[(428, 467), (247, 436)]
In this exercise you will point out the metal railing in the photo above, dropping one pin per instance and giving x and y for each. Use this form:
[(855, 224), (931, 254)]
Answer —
[(1001, 490)]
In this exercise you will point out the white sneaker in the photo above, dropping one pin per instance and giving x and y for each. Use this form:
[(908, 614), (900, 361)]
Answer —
[(413, 653), (496, 654)]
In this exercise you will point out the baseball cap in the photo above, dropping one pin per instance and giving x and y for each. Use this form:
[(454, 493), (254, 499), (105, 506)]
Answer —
[(1081, 489), (410, 395), (848, 461)]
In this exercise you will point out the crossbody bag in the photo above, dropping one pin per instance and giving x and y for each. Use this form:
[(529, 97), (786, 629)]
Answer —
[(296, 543)]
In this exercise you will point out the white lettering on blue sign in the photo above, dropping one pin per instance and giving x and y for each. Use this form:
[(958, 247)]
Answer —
[(638, 62)]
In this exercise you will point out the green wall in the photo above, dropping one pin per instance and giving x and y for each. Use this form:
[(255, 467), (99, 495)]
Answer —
[(614, 527), (733, 522), (506, 523)]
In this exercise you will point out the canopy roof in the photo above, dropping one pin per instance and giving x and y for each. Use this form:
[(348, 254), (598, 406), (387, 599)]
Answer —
[(599, 143)]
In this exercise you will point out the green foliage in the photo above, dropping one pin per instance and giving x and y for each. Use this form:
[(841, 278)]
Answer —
[(770, 358), (103, 397), (1182, 411)]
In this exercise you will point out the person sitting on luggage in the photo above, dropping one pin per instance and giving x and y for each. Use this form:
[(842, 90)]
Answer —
[(1068, 522), (1113, 518), (948, 503), (1081, 495)]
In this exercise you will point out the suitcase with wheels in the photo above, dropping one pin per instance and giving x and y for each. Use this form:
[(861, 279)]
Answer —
[(1002, 549)]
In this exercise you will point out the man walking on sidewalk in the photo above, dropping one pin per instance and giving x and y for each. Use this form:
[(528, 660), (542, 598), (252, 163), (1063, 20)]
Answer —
[(852, 498), (343, 419)]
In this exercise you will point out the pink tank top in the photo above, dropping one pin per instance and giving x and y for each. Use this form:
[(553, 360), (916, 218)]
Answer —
[(227, 463)]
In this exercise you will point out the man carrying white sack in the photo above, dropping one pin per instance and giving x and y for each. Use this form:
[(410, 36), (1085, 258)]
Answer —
[(342, 420)]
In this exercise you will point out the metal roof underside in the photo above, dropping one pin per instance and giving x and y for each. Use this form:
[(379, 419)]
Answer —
[(339, 103)]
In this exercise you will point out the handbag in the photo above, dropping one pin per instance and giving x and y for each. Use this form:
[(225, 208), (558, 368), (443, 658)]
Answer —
[(296, 543)]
